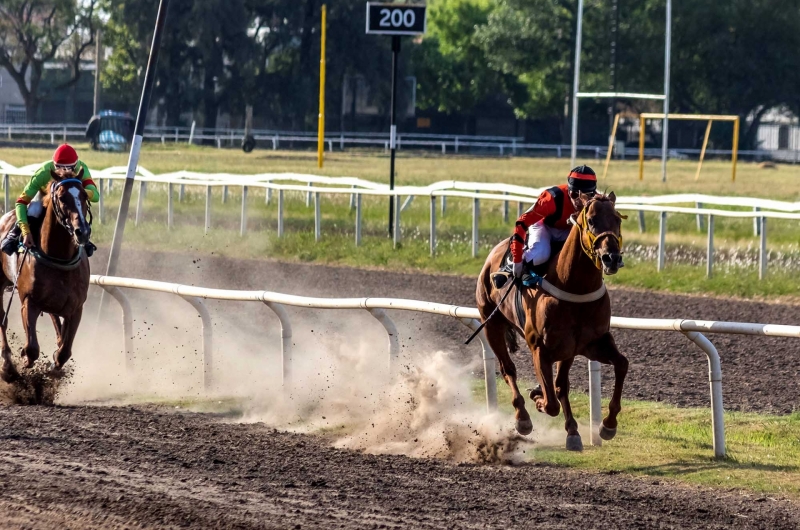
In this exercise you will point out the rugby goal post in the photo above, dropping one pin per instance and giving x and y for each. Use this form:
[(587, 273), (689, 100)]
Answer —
[(650, 115)]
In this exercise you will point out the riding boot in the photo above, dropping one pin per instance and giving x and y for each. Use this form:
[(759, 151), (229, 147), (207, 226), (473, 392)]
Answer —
[(10, 243), (89, 248), (531, 279)]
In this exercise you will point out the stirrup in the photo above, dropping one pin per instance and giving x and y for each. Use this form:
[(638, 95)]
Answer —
[(10, 243), (531, 279)]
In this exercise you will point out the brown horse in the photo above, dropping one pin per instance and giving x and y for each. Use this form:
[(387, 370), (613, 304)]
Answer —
[(555, 329), (54, 277)]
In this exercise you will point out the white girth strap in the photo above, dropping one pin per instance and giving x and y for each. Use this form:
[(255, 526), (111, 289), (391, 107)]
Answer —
[(564, 296)]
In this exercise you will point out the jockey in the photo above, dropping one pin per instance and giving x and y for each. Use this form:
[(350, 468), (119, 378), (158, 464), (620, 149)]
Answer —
[(547, 221), (65, 158)]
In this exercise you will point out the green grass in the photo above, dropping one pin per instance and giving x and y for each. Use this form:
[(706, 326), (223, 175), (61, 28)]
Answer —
[(659, 440), (735, 275)]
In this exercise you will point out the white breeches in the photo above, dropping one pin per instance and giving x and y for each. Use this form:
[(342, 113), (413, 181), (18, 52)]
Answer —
[(537, 248)]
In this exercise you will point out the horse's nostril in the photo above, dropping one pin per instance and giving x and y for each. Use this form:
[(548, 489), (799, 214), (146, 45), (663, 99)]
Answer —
[(606, 259)]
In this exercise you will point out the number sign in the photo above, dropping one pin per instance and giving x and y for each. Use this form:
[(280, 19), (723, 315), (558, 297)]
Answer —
[(395, 19)]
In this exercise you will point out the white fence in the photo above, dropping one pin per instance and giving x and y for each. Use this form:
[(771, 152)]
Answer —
[(470, 317), (448, 143), (313, 186)]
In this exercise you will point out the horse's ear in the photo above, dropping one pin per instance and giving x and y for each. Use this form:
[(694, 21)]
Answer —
[(613, 197)]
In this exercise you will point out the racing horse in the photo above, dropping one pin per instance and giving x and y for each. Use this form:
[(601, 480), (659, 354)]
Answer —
[(569, 314), (54, 278)]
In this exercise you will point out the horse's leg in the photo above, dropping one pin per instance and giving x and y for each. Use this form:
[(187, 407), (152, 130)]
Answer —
[(562, 392), (545, 396), (30, 314), (68, 332), (496, 335), (9, 372), (605, 350), (57, 326)]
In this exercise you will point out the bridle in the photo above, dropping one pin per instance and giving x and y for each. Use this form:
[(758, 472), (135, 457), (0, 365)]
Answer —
[(61, 217), (590, 241)]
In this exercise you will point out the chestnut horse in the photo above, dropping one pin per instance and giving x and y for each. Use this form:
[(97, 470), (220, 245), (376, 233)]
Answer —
[(54, 277), (555, 329)]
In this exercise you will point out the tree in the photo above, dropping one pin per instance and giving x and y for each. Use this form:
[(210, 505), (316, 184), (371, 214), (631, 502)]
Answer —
[(34, 32)]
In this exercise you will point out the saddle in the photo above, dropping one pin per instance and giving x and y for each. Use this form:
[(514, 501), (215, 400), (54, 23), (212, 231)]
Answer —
[(506, 270)]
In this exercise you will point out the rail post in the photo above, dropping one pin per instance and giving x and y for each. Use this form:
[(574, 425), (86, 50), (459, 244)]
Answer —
[(595, 403), (224, 194), (489, 365), (139, 204), (286, 343), (715, 382), (444, 204), (505, 209), (243, 224), (700, 219), (101, 212), (207, 223), (394, 341), (662, 236), (396, 231), (268, 196), (6, 198), (520, 207), (475, 214), (433, 226), (181, 192), (280, 213), (170, 207), (710, 251), (208, 361), (763, 256), (756, 224), (317, 218), (642, 226), (308, 196), (358, 219), (352, 198), (127, 325)]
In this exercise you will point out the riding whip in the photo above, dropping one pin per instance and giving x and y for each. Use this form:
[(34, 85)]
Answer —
[(503, 299), (11, 298)]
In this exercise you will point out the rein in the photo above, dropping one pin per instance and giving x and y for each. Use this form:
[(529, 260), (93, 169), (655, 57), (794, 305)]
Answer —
[(589, 241)]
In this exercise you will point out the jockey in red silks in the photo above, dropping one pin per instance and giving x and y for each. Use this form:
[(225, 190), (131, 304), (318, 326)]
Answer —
[(547, 221), (28, 206)]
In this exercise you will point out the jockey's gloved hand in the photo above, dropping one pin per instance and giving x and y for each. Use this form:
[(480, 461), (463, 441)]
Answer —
[(518, 269), (27, 241)]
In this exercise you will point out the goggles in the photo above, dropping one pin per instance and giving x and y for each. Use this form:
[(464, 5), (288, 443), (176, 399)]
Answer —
[(66, 167)]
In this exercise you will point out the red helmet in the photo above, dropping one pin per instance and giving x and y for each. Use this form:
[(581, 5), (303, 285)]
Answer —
[(65, 155)]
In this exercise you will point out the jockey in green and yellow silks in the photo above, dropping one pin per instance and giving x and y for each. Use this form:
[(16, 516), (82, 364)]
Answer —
[(65, 158)]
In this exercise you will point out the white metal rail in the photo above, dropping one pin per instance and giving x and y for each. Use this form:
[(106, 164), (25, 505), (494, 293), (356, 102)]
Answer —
[(470, 317)]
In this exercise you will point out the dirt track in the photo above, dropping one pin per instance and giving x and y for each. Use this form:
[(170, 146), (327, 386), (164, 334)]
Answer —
[(759, 373), (101, 467)]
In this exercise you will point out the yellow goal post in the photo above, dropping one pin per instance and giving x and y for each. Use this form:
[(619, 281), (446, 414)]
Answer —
[(659, 116)]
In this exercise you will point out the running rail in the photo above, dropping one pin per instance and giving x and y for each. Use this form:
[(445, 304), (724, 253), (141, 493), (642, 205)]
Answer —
[(470, 317)]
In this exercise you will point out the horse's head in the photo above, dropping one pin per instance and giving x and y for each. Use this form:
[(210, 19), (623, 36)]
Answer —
[(601, 234), (71, 204)]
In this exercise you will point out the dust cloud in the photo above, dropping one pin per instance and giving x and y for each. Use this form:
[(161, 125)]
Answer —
[(341, 385)]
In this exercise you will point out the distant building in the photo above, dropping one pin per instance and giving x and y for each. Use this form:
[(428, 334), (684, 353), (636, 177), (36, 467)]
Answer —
[(779, 133), (12, 106)]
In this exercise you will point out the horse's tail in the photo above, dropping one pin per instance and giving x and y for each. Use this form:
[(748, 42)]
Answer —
[(511, 339)]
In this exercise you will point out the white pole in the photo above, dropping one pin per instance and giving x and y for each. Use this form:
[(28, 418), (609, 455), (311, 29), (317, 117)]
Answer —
[(662, 236), (475, 214), (575, 83), (243, 228), (358, 218), (170, 207), (710, 257), (715, 382), (280, 213), (595, 403), (433, 226), (762, 251), (208, 209), (396, 232), (317, 220), (665, 131)]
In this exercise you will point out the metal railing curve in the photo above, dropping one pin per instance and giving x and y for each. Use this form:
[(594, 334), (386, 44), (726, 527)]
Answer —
[(470, 317)]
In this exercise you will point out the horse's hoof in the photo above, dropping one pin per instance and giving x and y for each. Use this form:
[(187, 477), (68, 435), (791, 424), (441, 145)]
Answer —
[(536, 392), (606, 433), (524, 427), (574, 442)]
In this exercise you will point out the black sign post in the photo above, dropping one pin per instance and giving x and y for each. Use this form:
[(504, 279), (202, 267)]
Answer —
[(395, 20)]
